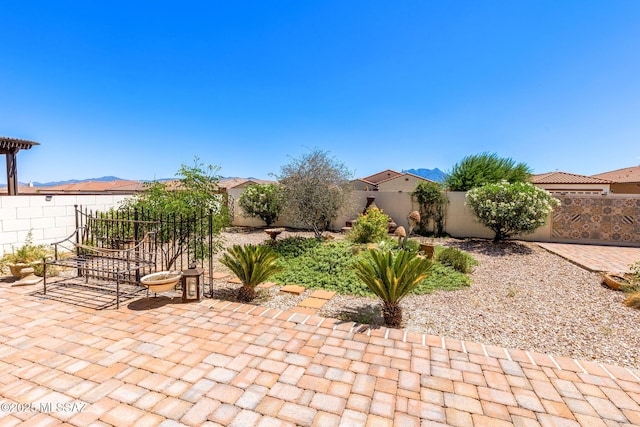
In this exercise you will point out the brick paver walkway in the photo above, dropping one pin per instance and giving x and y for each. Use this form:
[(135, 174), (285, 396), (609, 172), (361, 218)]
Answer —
[(221, 363), (615, 259)]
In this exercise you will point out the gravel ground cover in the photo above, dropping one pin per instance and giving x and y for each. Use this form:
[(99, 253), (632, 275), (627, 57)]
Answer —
[(522, 297)]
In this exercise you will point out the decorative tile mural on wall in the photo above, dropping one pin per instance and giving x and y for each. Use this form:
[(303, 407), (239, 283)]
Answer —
[(611, 218)]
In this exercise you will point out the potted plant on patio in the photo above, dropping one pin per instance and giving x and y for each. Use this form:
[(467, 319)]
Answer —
[(27, 259)]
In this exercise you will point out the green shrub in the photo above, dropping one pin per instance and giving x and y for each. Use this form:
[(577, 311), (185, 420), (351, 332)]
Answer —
[(442, 278), (433, 207), (411, 245), (325, 265), (263, 201), (329, 266), (455, 258), (292, 247), (370, 227), (509, 209)]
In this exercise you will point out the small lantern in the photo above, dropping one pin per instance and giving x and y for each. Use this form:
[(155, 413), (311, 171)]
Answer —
[(192, 283)]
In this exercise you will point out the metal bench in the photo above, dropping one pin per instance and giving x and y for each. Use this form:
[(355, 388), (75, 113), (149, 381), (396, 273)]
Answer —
[(101, 264)]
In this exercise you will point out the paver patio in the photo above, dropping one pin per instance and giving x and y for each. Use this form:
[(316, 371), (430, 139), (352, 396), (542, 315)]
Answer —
[(615, 259), (159, 362)]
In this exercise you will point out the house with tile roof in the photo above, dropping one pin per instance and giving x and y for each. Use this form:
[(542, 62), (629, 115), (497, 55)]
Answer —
[(624, 181), (389, 180), (569, 183)]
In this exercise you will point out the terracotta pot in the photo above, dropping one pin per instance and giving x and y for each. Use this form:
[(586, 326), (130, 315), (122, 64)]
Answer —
[(161, 281), (428, 249), (615, 281)]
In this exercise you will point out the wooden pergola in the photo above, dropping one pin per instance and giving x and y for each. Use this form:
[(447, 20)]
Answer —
[(10, 148)]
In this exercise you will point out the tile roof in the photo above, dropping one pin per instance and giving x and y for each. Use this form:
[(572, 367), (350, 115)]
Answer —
[(405, 174), (631, 174), (95, 187), (566, 178), (381, 176), (228, 183)]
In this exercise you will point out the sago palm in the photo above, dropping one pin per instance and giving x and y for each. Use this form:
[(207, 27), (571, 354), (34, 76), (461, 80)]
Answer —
[(253, 265), (391, 277)]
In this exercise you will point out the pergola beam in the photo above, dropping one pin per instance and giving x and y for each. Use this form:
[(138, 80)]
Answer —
[(10, 147)]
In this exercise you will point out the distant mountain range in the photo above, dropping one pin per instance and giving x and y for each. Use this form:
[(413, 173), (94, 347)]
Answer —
[(433, 174), (101, 179), (75, 181)]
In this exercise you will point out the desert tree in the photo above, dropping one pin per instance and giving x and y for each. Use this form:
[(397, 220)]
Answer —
[(316, 186), (195, 190)]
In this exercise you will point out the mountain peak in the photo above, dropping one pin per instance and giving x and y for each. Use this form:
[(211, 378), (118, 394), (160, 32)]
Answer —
[(433, 174)]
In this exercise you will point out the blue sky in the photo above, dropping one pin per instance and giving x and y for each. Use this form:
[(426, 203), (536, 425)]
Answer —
[(134, 89)]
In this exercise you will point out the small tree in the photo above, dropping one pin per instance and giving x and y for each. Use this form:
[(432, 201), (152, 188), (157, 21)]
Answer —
[(316, 187), (196, 189), (480, 169), (263, 201), (509, 209), (433, 206)]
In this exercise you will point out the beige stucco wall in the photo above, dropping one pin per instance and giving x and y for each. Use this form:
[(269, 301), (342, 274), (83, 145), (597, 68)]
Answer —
[(404, 183), (461, 222), (396, 205)]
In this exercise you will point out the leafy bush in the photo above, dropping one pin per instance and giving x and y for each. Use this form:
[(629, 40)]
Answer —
[(411, 245), (370, 227), (329, 266), (635, 273), (253, 265), (292, 247), (442, 278), (433, 203), (28, 253), (325, 265), (509, 209), (455, 258), (480, 169), (392, 277), (263, 201)]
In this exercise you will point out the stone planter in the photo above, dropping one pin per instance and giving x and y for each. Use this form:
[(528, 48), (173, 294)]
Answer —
[(22, 269), (162, 281)]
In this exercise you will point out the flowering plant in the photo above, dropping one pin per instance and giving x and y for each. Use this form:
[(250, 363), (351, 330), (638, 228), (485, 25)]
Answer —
[(511, 208)]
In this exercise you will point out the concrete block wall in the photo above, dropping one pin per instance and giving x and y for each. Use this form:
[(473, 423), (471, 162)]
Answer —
[(48, 220)]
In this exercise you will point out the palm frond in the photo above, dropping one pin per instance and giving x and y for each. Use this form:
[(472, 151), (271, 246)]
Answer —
[(391, 277), (252, 264)]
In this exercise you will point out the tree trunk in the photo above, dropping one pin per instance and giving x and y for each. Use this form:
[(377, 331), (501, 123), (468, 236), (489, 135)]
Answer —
[(392, 313), (246, 293)]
